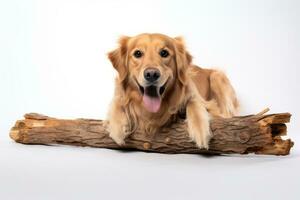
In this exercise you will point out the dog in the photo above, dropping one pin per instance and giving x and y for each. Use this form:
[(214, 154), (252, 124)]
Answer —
[(157, 82)]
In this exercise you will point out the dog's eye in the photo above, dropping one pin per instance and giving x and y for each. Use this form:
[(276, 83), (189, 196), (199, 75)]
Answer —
[(164, 53), (137, 54)]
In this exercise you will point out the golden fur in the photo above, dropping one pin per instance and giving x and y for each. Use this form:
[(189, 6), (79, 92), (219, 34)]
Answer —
[(197, 92)]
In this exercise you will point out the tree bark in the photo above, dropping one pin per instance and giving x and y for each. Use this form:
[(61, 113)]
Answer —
[(259, 134)]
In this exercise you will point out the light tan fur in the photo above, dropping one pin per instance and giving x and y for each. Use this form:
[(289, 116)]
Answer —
[(200, 93)]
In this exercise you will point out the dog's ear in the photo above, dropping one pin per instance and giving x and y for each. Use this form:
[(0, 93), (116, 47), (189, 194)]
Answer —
[(118, 58), (183, 59)]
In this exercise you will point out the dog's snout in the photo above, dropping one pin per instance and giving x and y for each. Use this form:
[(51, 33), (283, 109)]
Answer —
[(151, 74)]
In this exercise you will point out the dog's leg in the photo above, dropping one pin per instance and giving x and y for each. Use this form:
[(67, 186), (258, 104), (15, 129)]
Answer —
[(117, 123), (223, 93), (198, 122)]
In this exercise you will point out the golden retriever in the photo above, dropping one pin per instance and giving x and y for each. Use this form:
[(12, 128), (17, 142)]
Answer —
[(157, 81)]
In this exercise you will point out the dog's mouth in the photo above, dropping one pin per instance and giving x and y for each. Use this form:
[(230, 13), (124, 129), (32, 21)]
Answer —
[(152, 95)]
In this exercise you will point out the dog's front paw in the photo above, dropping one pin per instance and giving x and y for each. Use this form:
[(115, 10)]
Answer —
[(201, 135), (118, 132)]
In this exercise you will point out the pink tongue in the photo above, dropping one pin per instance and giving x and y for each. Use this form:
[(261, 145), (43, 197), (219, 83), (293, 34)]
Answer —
[(152, 104)]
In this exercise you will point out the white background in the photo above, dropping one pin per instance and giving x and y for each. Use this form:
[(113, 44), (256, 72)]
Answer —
[(53, 61)]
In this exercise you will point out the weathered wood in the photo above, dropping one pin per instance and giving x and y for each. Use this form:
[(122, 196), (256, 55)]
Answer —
[(259, 134)]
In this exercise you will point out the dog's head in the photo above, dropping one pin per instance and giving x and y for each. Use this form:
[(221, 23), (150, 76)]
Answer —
[(152, 64)]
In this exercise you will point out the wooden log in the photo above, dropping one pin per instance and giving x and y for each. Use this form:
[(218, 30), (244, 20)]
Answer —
[(259, 134)]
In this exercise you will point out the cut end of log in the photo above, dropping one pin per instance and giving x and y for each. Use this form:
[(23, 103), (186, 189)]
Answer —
[(14, 134)]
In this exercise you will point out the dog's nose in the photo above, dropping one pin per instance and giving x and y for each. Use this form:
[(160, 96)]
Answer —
[(151, 74)]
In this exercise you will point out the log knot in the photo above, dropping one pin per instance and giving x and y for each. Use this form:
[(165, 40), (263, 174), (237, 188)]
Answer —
[(167, 140), (243, 137), (147, 145)]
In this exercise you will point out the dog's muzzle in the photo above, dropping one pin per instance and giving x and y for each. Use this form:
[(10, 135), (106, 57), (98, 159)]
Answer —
[(152, 92)]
